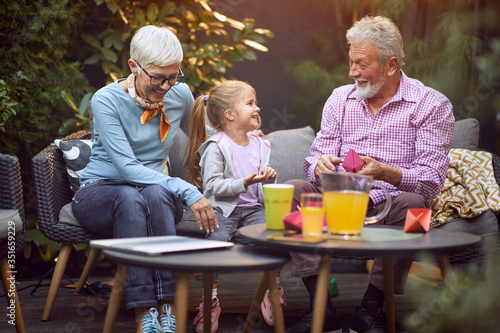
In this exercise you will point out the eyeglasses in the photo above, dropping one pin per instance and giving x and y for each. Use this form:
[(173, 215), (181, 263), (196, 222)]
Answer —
[(157, 81)]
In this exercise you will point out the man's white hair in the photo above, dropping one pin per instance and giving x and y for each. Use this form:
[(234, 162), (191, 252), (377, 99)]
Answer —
[(382, 32)]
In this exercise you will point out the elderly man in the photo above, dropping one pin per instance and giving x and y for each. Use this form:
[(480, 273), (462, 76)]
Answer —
[(402, 131)]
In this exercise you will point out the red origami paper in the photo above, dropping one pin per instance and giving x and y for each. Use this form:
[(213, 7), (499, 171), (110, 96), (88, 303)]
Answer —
[(418, 220), (352, 162), (293, 221)]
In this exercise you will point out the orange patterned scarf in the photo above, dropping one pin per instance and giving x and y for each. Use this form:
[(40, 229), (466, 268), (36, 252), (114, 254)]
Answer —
[(151, 108)]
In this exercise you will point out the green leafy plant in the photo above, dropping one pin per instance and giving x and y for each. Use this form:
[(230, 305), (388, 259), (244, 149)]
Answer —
[(464, 301), (35, 36), (8, 97), (211, 41), (81, 119)]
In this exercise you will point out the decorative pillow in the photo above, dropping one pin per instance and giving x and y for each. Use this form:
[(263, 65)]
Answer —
[(76, 153)]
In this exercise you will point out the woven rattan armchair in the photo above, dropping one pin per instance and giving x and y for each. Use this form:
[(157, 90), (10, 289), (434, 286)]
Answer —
[(11, 211), (52, 192)]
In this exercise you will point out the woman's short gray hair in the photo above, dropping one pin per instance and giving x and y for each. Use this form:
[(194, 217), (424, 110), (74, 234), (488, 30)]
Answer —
[(158, 46), (382, 32)]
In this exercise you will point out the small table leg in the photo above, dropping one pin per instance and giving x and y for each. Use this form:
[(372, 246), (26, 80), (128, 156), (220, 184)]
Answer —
[(279, 322), (321, 294), (181, 297), (116, 297), (389, 294), (444, 264), (207, 301), (257, 299)]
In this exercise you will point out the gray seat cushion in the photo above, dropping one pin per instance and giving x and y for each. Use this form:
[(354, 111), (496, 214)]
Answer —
[(10, 221), (187, 225), (66, 216), (480, 225)]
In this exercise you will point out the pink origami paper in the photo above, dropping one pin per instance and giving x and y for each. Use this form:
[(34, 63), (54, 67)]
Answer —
[(352, 162), (418, 220)]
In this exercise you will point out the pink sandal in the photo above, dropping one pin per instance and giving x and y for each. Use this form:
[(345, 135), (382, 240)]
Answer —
[(198, 320), (267, 307)]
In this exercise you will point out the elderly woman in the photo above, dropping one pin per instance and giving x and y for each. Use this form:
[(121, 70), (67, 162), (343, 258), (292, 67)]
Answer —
[(123, 190)]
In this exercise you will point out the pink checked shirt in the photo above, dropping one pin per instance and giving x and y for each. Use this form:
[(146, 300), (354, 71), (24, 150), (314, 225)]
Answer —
[(412, 132)]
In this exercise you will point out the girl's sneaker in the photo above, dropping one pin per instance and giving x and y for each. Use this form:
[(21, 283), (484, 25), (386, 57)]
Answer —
[(150, 323), (267, 306), (198, 320), (167, 319)]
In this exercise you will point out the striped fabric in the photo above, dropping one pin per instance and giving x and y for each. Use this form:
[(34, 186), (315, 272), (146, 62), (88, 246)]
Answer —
[(470, 187)]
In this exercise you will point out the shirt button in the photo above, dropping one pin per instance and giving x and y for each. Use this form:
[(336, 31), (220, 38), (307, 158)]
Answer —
[(374, 127), (371, 146)]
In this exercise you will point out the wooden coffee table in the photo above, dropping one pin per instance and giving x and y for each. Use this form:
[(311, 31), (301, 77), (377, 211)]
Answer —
[(236, 258), (375, 241)]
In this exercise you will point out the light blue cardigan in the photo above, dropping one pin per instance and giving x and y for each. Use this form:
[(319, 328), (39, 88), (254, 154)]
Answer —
[(124, 150)]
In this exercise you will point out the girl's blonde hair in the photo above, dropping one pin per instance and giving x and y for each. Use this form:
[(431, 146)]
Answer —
[(222, 97)]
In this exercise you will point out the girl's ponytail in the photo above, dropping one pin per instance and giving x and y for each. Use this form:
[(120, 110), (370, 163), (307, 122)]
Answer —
[(197, 136)]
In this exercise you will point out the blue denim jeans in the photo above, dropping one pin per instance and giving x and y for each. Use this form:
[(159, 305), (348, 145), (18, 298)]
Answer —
[(123, 210)]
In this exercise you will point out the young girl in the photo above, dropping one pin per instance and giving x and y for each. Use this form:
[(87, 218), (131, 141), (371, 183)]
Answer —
[(231, 166)]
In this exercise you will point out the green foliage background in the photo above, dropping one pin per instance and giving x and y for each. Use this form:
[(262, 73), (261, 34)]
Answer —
[(450, 45), (56, 53)]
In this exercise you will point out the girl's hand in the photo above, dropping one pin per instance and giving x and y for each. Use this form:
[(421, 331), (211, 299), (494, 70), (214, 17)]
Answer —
[(265, 174), (256, 132), (269, 172)]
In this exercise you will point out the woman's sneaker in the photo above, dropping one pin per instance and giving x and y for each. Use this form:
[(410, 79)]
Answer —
[(198, 320), (150, 323), (167, 319), (267, 306)]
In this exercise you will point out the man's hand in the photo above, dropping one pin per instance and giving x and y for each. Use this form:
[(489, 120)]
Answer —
[(204, 215), (381, 171), (265, 174), (326, 164)]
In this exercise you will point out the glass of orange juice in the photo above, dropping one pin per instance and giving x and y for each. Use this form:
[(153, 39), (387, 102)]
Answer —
[(345, 198), (313, 214)]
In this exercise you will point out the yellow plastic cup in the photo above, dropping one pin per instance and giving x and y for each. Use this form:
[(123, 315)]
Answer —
[(278, 200)]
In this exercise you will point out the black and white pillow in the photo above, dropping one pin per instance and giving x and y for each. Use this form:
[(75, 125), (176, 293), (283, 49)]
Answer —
[(77, 155)]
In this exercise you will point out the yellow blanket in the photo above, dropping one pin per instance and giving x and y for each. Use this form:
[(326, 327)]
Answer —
[(469, 189)]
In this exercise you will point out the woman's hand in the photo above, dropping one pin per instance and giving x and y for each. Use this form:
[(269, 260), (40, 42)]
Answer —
[(204, 215), (265, 174)]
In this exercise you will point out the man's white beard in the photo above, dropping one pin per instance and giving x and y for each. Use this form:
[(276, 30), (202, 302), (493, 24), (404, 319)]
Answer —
[(370, 90)]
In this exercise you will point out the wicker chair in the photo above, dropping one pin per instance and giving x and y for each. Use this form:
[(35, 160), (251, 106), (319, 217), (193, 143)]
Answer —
[(11, 210), (52, 192)]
